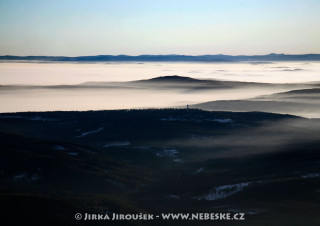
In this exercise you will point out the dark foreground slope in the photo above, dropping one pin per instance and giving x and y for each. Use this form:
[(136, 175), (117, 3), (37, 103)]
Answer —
[(56, 164)]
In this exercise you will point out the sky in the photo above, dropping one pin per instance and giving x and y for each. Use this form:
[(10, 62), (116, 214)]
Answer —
[(135, 27)]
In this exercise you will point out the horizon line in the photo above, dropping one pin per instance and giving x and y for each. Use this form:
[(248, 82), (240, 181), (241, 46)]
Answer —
[(171, 54)]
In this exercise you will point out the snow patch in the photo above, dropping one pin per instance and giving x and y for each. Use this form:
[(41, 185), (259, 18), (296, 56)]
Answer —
[(200, 170), (173, 119), (174, 196), (25, 177), (227, 120), (20, 177), (224, 191), (167, 153), (31, 118), (120, 143), (310, 175), (38, 118), (249, 211), (11, 116), (60, 148), (91, 132)]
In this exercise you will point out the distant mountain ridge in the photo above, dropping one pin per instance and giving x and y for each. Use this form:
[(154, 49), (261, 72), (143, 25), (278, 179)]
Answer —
[(171, 58), (172, 78)]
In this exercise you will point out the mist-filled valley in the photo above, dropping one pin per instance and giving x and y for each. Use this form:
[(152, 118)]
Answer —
[(153, 138), (249, 86)]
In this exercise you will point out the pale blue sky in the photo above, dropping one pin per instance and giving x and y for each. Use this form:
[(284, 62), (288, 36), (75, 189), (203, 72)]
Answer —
[(134, 27)]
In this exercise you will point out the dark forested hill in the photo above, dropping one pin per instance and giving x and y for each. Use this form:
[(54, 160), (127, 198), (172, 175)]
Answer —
[(56, 164)]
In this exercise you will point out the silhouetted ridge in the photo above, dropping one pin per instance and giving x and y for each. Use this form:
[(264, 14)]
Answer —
[(301, 91), (173, 78)]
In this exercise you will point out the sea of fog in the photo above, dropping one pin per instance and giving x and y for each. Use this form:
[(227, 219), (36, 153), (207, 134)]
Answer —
[(15, 77)]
